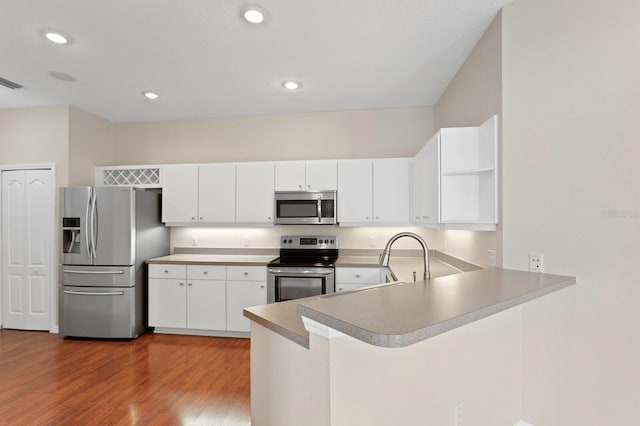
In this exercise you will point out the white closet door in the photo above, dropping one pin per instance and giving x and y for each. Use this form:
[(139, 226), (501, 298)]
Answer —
[(27, 221)]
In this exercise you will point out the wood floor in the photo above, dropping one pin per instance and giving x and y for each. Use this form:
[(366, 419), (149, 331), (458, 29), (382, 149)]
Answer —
[(153, 380)]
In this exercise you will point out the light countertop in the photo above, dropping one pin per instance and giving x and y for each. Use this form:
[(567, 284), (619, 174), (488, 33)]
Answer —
[(400, 314), (214, 259)]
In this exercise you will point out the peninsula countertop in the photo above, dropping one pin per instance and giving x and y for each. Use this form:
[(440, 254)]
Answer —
[(400, 314)]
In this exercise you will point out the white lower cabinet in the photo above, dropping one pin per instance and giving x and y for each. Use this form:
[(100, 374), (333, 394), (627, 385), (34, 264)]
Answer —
[(246, 286), (352, 278), (204, 298)]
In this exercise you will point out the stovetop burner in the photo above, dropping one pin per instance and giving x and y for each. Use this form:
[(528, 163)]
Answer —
[(307, 251)]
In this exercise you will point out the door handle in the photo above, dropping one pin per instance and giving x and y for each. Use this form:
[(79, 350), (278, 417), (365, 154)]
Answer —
[(88, 293), (75, 271)]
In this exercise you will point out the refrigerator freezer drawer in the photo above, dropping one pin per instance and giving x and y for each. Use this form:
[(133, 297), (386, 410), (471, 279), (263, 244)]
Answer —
[(97, 276), (98, 312)]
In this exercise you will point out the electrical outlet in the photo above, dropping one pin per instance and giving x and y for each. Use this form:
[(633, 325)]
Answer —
[(194, 240), (491, 257), (536, 262), (459, 414), (246, 241), (372, 241)]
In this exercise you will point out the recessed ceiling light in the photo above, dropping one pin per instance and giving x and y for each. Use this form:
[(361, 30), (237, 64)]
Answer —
[(253, 14), (56, 37), (291, 85), (150, 95)]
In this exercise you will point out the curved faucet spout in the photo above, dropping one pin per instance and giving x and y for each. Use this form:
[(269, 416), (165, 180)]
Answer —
[(386, 254)]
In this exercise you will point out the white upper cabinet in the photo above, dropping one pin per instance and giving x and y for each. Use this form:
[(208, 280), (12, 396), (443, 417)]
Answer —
[(322, 175), (180, 193), (194, 193), (306, 175), (254, 192), (426, 183), (456, 178), (355, 191), (217, 193), (391, 190), (374, 191)]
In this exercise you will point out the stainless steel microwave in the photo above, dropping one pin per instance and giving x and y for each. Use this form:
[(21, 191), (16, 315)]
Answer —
[(306, 208)]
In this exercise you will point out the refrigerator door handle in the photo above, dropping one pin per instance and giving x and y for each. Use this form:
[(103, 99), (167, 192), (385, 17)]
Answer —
[(86, 232), (88, 293), (76, 271), (93, 222)]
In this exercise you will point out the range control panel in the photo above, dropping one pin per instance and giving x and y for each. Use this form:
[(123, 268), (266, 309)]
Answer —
[(309, 242)]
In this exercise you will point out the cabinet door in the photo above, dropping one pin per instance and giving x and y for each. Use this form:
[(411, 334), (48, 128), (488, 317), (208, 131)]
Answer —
[(240, 295), (429, 182), (179, 193), (355, 191), (217, 193), (167, 303), (206, 305), (254, 193), (322, 175), (289, 176), (391, 183)]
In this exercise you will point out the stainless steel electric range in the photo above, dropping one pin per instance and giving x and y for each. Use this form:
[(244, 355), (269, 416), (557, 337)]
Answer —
[(306, 267)]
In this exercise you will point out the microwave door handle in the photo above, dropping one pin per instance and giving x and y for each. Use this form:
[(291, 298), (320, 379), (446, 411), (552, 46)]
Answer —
[(319, 208)]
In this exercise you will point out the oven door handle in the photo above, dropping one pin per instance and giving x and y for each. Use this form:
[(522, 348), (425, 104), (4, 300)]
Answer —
[(282, 271)]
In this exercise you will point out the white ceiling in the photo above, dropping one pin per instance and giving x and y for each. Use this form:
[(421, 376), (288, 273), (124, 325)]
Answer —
[(205, 61)]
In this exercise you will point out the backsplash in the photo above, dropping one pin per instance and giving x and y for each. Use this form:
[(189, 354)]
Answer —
[(269, 237)]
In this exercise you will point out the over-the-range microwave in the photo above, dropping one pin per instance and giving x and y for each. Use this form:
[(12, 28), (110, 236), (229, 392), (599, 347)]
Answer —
[(306, 208)]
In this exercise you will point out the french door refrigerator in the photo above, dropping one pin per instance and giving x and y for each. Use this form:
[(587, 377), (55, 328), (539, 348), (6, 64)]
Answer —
[(106, 235)]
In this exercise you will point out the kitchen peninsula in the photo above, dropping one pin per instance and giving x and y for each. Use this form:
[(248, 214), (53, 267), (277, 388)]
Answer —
[(398, 353)]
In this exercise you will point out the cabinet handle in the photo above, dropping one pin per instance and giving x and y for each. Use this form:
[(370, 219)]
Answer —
[(339, 288), (357, 276), (205, 272), (201, 218), (190, 284), (299, 186), (246, 273), (261, 286), (193, 218), (367, 217), (377, 217), (425, 217), (181, 284), (166, 271), (308, 186), (269, 217)]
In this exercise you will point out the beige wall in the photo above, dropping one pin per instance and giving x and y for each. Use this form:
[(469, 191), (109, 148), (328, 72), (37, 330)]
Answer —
[(36, 135), (91, 143), (474, 95), (345, 134), (571, 98)]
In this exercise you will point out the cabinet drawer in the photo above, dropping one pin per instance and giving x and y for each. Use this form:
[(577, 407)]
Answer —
[(163, 270), (206, 272), (246, 273), (349, 287), (358, 275)]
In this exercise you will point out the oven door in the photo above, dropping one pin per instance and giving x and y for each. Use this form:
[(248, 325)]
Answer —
[(287, 283)]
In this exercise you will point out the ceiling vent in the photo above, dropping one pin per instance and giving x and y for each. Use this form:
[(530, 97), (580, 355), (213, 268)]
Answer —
[(9, 84)]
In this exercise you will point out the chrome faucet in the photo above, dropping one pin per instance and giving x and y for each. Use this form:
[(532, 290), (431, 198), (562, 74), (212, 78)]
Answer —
[(386, 254)]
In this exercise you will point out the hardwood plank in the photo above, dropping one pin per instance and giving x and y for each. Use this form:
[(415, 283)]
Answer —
[(156, 379)]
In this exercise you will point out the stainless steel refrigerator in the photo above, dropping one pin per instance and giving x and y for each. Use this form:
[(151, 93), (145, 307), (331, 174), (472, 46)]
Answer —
[(106, 235)]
